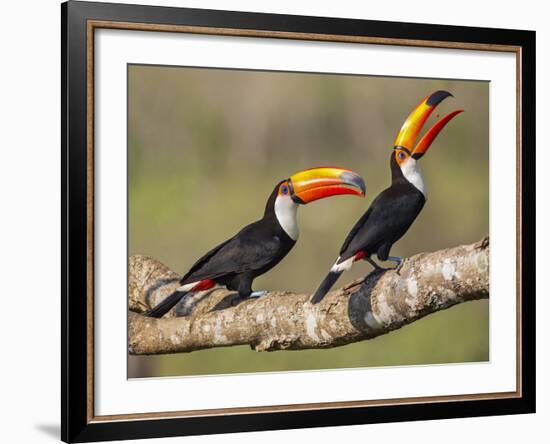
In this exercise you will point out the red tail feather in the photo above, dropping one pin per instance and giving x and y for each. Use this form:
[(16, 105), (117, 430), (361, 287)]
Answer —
[(206, 284)]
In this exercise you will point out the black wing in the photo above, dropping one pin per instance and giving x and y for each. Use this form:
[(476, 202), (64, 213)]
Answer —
[(246, 251), (351, 235), (203, 260), (387, 219)]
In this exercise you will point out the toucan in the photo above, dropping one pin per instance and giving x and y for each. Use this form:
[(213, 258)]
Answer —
[(394, 210), (260, 246)]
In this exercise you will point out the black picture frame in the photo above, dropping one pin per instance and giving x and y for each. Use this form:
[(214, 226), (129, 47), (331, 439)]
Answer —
[(77, 425)]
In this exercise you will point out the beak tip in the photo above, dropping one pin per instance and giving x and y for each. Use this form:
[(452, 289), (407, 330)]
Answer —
[(355, 180), (361, 185), (437, 97), (455, 113)]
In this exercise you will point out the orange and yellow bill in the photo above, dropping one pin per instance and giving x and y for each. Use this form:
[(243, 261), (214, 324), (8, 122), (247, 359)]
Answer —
[(415, 121), (317, 183)]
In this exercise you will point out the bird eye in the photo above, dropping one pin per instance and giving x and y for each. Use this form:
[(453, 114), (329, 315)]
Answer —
[(284, 189), (401, 155)]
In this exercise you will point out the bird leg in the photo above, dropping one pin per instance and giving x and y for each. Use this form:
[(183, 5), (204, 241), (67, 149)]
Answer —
[(374, 264), (244, 287), (377, 268), (398, 260)]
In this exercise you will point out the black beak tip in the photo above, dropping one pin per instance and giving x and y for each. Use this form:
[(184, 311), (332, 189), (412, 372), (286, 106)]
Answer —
[(354, 179), (437, 97), (362, 187)]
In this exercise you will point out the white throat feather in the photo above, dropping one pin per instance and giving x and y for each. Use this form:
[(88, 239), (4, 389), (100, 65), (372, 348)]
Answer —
[(412, 172), (285, 211)]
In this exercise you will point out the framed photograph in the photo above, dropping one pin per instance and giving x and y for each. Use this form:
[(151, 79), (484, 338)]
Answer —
[(275, 221)]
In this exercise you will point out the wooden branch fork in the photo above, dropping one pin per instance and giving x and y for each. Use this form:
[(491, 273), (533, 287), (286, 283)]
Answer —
[(384, 301)]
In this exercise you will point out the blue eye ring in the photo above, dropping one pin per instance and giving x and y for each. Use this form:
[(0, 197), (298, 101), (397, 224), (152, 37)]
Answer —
[(401, 155), (284, 189)]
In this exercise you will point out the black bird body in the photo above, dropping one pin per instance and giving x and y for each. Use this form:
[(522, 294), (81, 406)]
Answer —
[(261, 245), (253, 251), (388, 218), (395, 209)]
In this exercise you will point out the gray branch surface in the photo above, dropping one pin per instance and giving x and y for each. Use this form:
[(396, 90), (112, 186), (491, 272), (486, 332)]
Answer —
[(384, 301)]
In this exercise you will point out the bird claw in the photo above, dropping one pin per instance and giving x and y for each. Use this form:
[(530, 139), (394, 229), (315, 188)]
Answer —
[(399, 261), (258, 294), (399, 266)]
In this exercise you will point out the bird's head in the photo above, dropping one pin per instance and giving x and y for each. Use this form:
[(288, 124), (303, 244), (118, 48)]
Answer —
[(405, 153), (308, 186)]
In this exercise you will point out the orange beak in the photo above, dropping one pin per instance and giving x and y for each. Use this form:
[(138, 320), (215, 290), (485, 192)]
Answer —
[(416, 120), (317, 183)]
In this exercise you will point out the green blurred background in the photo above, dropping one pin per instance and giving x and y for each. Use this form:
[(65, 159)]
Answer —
[(207, 146)]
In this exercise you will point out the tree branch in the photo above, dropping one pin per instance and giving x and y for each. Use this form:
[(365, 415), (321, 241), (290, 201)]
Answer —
[(385, 301)]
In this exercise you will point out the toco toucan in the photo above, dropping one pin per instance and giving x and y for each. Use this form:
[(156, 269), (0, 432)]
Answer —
[(260, 246), (394, 210)]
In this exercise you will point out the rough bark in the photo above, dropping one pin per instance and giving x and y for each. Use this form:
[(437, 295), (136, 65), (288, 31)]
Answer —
[(384, 301)]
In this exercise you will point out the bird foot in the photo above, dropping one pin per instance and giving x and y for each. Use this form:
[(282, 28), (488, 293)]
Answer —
[(399, 266), (399, 261), (258, 294)]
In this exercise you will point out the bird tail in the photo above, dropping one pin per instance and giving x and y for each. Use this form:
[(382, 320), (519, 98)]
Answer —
[(159, 310), (329, 280)]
